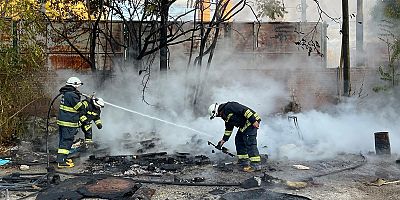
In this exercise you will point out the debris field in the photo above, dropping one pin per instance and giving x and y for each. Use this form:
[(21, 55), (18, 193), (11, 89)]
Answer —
[(181, 175)]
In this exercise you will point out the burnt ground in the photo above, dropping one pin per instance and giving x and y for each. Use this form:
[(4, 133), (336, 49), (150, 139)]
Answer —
[(185, 176)]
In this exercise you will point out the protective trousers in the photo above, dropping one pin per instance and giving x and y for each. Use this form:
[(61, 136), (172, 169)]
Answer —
[(246, 145), (66, 135), (87, 130)]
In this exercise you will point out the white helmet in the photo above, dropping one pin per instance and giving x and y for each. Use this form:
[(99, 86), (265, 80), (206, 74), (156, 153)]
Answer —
[(99, 102), (213, 110), (74, 81)]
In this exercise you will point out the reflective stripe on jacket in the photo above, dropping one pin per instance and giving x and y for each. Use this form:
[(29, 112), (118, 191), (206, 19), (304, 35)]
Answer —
[(92, 113), (237, 115), (70, 107)]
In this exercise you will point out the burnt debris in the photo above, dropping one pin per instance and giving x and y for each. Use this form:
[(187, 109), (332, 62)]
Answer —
[(91, 187), (150, 164)]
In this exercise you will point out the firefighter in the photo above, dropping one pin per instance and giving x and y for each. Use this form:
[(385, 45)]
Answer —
[(71, 108), (92, 113), (247, 121)]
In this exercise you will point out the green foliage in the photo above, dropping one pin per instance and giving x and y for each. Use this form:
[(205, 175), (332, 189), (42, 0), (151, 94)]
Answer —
[(390, 72), (22, 60), (390, 75), (387, 14), (392, 9), (396, 49), (387, 9), (270, 8)]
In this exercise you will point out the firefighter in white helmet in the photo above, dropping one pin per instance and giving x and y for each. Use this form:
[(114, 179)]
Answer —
[(70, 110), (92, 113), (212, 110), (247, 121)]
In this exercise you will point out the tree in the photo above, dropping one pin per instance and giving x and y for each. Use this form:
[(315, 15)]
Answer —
[(145, 35), (147, 30), (22, 59), (72, 20), (270, 8), (387, 13)]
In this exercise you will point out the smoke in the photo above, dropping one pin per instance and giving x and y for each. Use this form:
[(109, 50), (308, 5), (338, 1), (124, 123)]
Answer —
[(347, 127), (169, 100)]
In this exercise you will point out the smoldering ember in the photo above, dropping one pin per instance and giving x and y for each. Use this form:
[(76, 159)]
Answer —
[(172, 99)]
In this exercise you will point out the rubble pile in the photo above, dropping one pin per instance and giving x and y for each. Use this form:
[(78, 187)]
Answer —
[(96, 187), (155, 164), (30, 182), (23, 154)]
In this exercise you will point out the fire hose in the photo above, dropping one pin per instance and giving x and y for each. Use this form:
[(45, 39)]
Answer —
[(47, 129), (363, 162)]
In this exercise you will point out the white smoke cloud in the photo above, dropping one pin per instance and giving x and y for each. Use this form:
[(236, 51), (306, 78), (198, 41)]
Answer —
[(169, 102), (347, 127)]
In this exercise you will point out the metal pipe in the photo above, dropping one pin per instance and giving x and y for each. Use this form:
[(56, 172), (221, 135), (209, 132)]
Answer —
[(303, 11), (360, 34)]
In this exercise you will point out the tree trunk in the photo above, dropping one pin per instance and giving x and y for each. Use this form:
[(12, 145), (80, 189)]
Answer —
[(163, 36), (346, 48)]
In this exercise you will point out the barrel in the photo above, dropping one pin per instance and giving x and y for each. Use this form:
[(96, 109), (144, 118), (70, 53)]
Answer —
[(382, 143)]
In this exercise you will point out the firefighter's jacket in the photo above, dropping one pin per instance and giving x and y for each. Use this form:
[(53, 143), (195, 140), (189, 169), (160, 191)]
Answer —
[(236, 115), (71, 107), (92, 113)]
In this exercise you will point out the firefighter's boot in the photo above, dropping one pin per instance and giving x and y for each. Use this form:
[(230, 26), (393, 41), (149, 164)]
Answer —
[(253, 167), (243, 162), (67, 163)]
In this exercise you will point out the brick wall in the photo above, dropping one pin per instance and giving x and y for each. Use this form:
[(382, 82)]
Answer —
[(259, 46), (316, 88)]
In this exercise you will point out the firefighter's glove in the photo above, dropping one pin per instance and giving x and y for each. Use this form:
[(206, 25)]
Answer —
[(92, 96), (99, 126), (256, 124), (220, 143)]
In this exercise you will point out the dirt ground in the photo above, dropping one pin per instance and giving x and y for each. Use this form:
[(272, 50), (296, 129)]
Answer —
[(346, 176)]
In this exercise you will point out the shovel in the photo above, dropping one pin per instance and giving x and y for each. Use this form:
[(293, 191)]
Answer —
[(223, 149)]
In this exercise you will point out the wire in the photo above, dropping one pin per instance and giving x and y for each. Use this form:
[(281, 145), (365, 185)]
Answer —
[(363, 162)]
